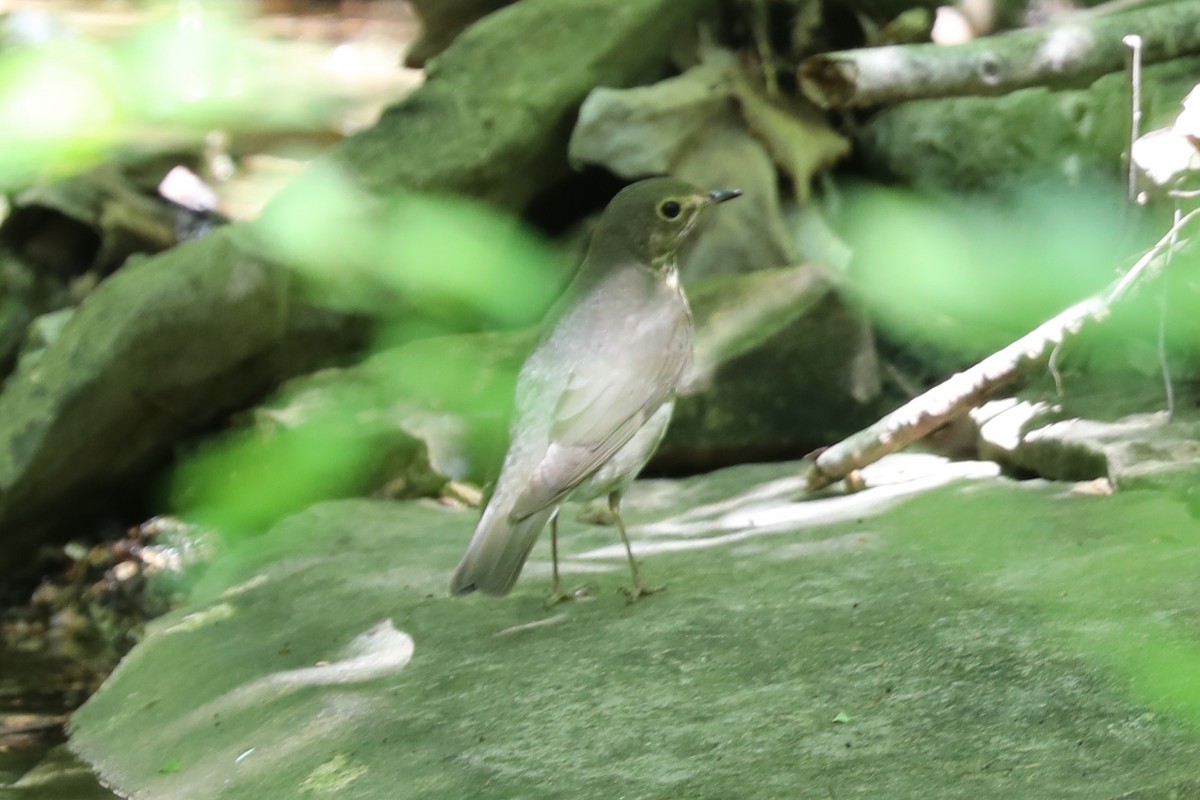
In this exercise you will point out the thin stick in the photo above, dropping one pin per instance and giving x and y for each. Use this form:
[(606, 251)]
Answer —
[(556, 586), (1052, 365), (1134, 43), (1163, 363)]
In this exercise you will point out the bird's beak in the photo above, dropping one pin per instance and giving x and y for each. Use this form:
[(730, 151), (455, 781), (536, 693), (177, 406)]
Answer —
[(721, 195)]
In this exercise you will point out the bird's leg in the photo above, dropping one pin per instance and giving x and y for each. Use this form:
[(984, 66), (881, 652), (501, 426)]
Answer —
[(557, 595), (639, 588)]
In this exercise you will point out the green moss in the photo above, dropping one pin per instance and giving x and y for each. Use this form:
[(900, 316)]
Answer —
[(971, 143), (494, 117), (985, 641)]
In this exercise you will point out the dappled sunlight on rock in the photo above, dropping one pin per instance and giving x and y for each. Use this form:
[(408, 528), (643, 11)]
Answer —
[(372, 654), (769, 508), (834, 544), (930, 629)]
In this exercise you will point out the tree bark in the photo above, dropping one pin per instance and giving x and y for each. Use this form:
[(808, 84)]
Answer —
[(1073, 52)]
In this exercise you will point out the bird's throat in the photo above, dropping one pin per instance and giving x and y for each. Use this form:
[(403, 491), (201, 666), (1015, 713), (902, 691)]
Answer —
[(671, 275)]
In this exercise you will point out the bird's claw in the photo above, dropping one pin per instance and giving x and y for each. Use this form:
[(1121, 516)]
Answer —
[(639, 589), (557, 595)]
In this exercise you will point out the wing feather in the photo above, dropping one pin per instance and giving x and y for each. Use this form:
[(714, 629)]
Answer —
[(598, 412)]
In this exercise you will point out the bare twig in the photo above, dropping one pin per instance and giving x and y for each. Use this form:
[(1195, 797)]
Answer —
[(762, 41), (968, 389), (1110, 7), (25, 724), (1075, 51), (1134, 43), (1055, 372), (1163, 364)]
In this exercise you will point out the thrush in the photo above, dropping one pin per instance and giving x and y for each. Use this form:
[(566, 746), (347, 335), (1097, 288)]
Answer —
[(594, 398)]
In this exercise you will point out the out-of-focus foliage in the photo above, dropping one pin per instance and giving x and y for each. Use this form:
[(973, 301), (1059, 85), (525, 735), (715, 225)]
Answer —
[(197, 66), (411, 258), (420, 266), (416, 266), (966, 277), (59, 110), (246, 482), (67, 101)]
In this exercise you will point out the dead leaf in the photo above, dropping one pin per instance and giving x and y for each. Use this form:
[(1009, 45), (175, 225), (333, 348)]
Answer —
[(642, 131), (1166, 157), (1188, 122), (796, 135), (752, 234), (1099, 487)]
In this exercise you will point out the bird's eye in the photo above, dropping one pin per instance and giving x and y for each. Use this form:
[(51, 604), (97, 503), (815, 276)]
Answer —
[(670, 209)]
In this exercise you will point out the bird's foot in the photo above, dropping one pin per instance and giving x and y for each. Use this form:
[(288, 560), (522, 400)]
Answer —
[(639, 589), (597, 513), (557, 595)]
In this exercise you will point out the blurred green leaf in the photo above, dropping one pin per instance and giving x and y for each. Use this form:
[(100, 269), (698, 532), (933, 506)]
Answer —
[(196, 65), (68, 102), (970, 274), (426, 265), (416, 258), (245, 483), (443, 250), (332, 234), (58, 112)]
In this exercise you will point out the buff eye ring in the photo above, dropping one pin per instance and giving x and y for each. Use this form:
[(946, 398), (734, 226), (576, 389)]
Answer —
[(670, 210)]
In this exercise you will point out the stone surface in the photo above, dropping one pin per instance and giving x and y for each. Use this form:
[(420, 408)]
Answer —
[(493, 118), (154, 354), (442, 22), (1134, 452), (715, 127), (646, 130), (783, 366), (970, 143), (749, 234), (21, 299), (985, 639), (58, 776)]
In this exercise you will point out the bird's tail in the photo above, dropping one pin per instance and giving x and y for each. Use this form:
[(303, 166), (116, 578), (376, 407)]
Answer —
[(498, 550)]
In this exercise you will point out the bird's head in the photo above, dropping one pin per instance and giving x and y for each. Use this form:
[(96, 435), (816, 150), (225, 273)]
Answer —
[(650, 219)]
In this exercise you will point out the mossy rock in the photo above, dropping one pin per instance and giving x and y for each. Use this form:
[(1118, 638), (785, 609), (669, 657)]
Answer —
[(987, 638)]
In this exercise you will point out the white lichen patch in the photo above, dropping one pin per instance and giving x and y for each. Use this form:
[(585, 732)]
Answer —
[(200, 619), (245, 278), (333, 776)]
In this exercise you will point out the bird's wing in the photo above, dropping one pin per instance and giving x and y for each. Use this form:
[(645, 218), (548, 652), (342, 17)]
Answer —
[(601, 407)]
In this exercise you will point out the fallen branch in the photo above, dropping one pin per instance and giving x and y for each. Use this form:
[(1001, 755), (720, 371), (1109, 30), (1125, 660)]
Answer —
[(965, 390), (1075, 51)]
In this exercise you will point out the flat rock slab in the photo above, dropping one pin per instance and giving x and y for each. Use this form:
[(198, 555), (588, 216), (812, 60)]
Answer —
[(984, 639), (1137, 451)]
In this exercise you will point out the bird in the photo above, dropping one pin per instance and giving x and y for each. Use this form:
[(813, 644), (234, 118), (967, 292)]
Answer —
[(594, 398)]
